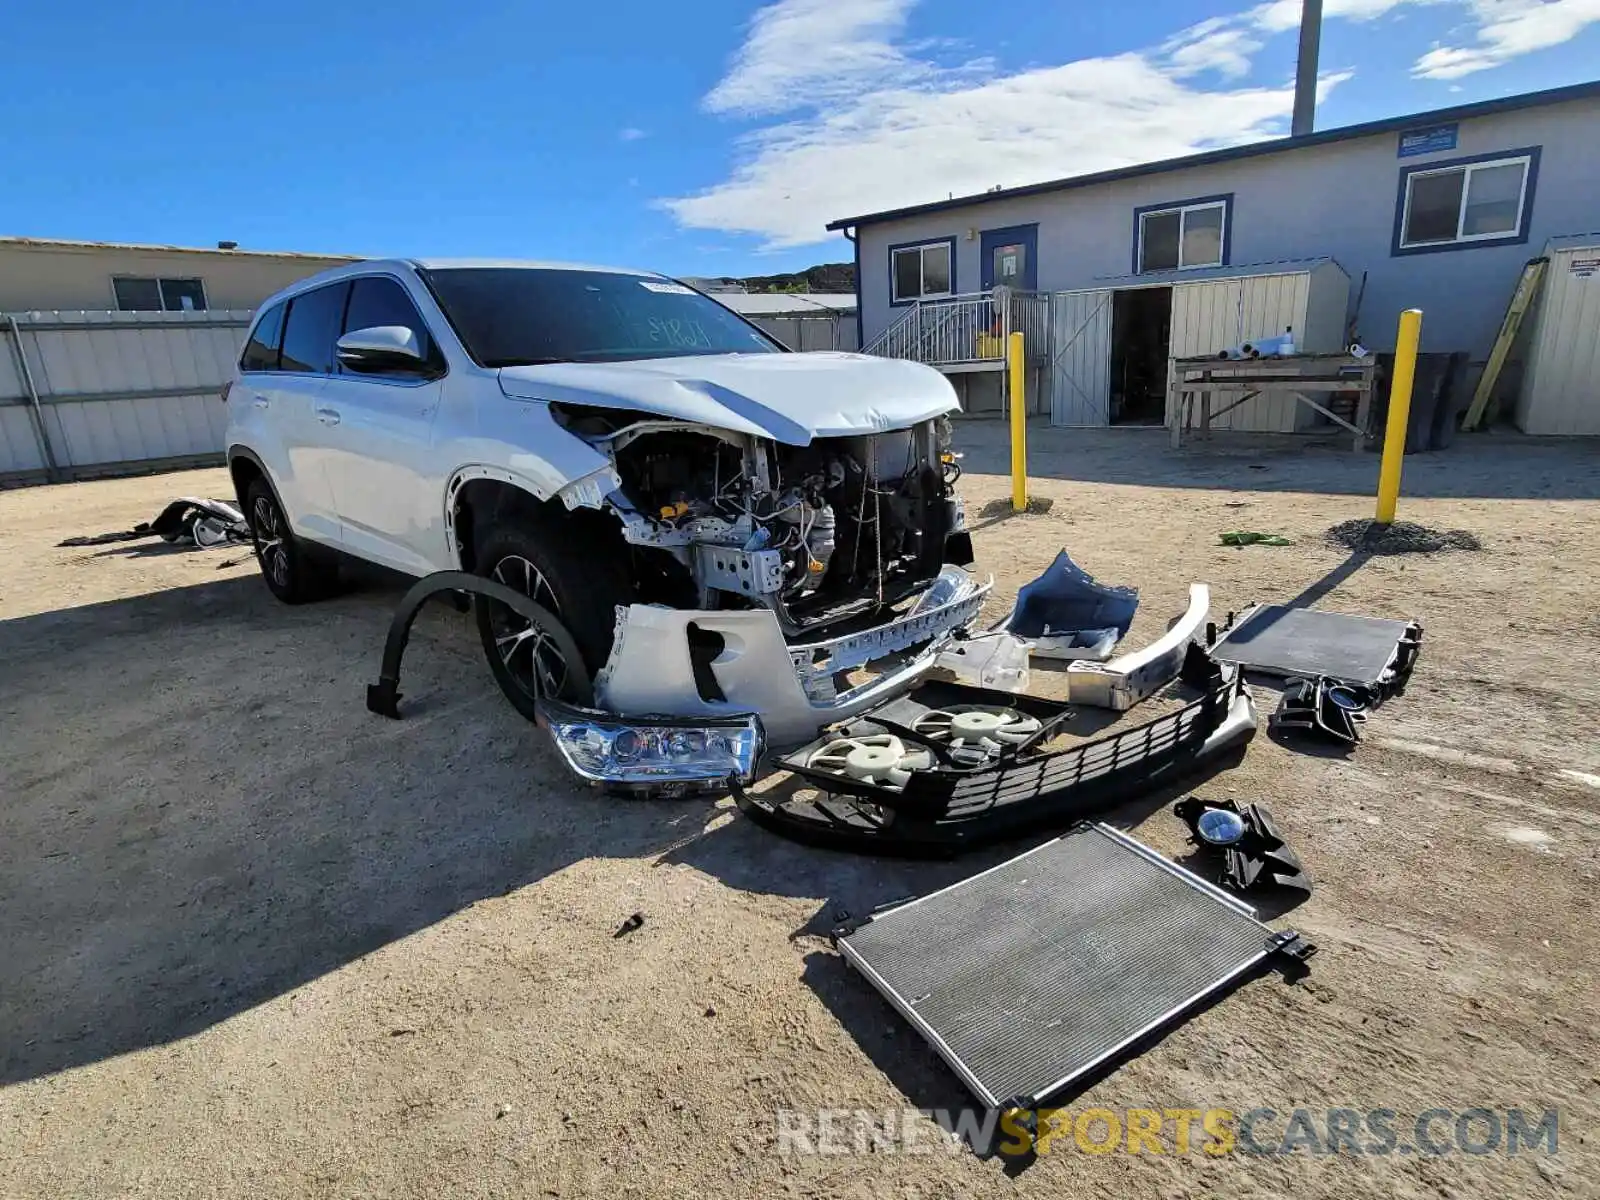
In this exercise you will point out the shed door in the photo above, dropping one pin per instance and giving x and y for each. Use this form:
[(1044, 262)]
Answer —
[(1080, 362)]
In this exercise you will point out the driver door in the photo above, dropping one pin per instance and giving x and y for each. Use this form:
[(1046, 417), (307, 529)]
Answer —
[(386, 489)]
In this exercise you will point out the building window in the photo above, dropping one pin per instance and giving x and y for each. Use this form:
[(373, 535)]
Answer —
[(1466, 201), (925, 271), (1182, 235), (135, 294)]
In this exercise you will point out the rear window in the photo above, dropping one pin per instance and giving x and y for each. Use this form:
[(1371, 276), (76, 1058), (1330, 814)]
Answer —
[(261, 351), (513, 316), (312, 328)]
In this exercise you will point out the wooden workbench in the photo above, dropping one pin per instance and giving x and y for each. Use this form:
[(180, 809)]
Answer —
[(1193, 382)]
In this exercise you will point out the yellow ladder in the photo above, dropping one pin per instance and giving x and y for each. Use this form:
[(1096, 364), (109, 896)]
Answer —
[(1521, 301)]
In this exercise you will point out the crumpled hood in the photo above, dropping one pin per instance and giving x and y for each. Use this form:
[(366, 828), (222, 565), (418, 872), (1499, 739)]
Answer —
[(790, 398)]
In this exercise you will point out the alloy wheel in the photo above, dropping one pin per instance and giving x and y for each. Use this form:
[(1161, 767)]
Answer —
[(529, 656), (267, 528)]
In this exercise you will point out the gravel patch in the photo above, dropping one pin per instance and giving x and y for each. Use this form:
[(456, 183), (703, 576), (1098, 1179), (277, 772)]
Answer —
[(1402, 537)]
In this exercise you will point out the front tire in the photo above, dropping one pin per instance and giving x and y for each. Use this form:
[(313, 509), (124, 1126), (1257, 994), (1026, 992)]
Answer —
[(580, 588), (292, 571)]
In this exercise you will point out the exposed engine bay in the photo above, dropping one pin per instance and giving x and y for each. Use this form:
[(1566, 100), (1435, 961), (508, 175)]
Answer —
[(821, 533)]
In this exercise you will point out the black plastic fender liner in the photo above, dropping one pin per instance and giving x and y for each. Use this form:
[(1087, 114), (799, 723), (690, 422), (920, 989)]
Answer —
[(383, 697), (941, 814)]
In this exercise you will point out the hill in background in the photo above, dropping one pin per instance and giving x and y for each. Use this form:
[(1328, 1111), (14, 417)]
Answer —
[(827, 277)]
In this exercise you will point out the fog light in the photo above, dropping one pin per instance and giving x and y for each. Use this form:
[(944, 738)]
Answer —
[(653, 751), (1220, 827)]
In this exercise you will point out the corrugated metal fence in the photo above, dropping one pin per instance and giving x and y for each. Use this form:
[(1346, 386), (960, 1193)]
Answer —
[(98, 393), (836, 332)]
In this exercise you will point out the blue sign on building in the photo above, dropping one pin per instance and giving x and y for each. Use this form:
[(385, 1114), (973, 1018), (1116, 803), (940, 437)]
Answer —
[(1426, 141)]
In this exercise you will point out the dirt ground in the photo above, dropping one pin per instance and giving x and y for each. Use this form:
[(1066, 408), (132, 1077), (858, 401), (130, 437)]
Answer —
[(259, 942)]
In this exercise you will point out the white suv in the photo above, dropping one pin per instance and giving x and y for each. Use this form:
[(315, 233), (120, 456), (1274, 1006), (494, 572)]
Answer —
[(722, 525)]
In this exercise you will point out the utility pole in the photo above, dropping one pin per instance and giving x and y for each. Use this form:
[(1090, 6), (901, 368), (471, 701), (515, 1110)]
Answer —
[(1305, 77)]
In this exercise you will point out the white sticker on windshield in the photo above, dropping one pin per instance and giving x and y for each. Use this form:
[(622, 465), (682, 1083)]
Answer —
[(671, 289)]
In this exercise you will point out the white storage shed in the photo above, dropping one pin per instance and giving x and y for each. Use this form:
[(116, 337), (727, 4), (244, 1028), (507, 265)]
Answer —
[(1101, 334), (1561, 382)]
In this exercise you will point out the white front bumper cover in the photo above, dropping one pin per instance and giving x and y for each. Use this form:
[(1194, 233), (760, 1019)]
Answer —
[(790, 689)]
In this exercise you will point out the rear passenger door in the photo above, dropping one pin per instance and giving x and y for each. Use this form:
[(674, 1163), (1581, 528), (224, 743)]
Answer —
[(286, 400), (385, 486)]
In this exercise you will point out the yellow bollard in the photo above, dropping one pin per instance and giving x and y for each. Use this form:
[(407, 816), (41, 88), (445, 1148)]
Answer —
[(1394, 432), (1019, 427)]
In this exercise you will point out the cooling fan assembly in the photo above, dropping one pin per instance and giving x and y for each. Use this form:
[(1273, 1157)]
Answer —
[(972, 728), (880, 759)]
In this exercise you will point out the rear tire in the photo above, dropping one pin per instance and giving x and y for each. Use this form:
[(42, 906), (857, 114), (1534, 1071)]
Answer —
[(575, 569), (294, 572)]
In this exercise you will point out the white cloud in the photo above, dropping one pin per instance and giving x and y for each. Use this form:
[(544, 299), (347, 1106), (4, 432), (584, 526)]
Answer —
[(1225, 51), (904, 145), (1508, 29), (631, 134), (870, 121), (800, 52), (1280, 16)]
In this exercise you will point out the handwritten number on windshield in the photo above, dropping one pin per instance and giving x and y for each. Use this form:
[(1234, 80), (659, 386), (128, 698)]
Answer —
[(678, 333)]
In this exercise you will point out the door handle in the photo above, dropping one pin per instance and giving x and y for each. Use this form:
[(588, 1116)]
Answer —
[(328, 416), (260, 402)]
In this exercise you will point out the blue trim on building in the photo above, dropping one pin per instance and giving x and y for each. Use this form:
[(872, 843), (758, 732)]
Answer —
[(990, 239), (931, 241), (1223, 198), (1518, 238), (1463, 112), (855, 244)]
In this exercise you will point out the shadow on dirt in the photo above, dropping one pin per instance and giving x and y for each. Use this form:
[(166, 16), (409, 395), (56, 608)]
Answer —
[(200, 815)]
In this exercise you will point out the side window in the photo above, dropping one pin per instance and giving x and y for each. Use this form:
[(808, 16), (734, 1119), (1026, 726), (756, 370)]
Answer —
[(261, 351), (925, 272), (312, 327), (379, 300), (1182, 236), (1466, 202)]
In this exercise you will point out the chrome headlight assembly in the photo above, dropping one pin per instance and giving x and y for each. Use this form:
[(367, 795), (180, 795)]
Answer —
[(660, 753)]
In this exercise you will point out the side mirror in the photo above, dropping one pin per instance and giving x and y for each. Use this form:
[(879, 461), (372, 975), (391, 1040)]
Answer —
[(381, 348)]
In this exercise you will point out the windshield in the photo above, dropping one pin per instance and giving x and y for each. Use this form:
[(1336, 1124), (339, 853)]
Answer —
[(518, 316)]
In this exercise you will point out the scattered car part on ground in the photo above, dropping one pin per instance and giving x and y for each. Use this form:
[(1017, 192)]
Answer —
[(963, 801), (1066, 614), (995, 660), (1126, 680), (1324, 707), (714, 664), (203, 521), (658, 756), (662, 755), (573, 686), (1028, 977), (1251, 851), (1304, 643)]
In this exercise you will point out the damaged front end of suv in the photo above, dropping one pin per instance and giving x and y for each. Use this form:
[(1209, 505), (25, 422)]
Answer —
[(769, 573), (685, 541)]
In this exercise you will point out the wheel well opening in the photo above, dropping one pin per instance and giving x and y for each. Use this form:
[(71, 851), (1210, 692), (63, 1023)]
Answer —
[(244, 472), (477, 503)]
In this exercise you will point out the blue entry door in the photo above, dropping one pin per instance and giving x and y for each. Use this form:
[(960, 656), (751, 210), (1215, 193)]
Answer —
[(1010, 258)]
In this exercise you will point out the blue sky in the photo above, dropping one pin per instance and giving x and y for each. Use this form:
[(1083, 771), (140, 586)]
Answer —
[(705, 137)]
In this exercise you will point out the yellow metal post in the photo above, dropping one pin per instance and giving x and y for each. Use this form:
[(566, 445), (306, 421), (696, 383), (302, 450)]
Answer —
[(1019, 426), (1394, 433)]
